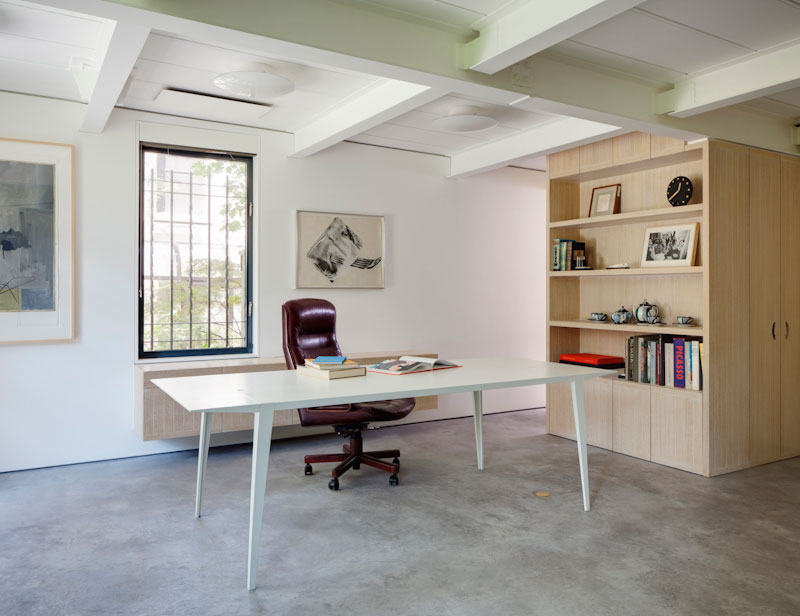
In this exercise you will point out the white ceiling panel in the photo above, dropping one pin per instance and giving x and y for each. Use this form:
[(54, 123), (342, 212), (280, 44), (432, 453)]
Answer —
[(42, 52), (399, 144), (507, 116), (37, 79), (539, 163), (49, 25), (452, 141), (757, 24), (787, 111), (789, 97), (616, 63), (170, 50), (661, 42)]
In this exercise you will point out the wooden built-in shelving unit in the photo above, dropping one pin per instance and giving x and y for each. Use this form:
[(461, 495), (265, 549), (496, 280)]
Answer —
[(742, 292)]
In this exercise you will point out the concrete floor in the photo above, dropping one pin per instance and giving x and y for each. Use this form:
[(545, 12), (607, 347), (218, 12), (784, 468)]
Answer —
[(118, 537)]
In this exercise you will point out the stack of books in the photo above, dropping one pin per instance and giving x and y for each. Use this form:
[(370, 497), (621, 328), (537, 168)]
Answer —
[(330, 367), (665, 360), (566, 253)]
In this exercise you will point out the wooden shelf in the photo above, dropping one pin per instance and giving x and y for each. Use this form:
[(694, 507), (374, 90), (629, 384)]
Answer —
[(635, 328), (635, 271), (689, 155), (626, 218)]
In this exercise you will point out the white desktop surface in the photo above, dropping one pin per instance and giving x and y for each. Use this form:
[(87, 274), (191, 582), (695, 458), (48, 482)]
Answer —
[(263, 393), (286, 389)]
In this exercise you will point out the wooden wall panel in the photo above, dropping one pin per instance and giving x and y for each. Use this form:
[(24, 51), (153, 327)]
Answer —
[(790, 306), (661, 146), (676, 428), (631, 419), (727, 378), (630, 147), (566, 162), (596, 155), (765, 319)]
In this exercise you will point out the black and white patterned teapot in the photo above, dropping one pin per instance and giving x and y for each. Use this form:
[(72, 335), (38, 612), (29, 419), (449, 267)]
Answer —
[(644, 310)]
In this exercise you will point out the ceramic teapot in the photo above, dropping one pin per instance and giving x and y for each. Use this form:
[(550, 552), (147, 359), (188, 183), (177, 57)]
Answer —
[(621, 316), (644, 310)]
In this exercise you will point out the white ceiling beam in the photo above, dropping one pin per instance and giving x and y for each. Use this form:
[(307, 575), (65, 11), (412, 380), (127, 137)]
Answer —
[(533, 27), (539, 141), (757, 75), (378, 104), (122, 50)]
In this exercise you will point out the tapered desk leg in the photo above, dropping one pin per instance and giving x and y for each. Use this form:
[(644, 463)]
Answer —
[(477, 397), (580, 433), (202, 459), (262, 436)]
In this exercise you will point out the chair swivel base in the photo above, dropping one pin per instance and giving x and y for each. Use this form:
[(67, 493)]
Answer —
[(354, 456)]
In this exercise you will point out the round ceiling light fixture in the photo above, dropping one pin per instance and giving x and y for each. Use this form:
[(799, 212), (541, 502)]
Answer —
[(256, 84), (464, 120)]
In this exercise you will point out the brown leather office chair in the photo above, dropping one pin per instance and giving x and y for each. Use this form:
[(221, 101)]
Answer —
[(309, 330)]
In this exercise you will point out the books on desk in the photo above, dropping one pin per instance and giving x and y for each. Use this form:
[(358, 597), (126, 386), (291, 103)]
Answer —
[(326, 363), (409, 364), (328, 375)]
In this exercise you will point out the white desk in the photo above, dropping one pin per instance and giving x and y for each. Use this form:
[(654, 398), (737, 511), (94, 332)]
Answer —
[(263, 393)]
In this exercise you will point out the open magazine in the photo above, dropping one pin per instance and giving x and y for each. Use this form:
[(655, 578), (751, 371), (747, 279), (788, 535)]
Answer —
[(409, 364)]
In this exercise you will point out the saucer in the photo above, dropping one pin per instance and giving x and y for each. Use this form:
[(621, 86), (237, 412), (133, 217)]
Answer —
[(684, 324)]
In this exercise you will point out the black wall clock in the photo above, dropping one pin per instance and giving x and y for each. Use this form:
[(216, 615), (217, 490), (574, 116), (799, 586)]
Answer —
[(679, 190)]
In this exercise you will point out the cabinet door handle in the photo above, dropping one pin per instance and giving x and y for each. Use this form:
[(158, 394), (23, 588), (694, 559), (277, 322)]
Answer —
[(773, 331), (787, 330)]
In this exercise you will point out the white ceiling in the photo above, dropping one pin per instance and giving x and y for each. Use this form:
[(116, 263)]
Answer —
[(167, 62), (659, 42), (39, 46)]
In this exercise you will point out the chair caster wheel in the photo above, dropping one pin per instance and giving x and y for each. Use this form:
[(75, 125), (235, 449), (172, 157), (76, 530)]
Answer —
[(309, 470), (333, 484), (393, 480), (396, 461)]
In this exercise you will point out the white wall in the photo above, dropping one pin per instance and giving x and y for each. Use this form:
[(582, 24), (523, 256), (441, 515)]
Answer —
[(464, 275)]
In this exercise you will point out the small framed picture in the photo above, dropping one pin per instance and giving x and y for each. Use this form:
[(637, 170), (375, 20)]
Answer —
[(605, 200), (670, 246)]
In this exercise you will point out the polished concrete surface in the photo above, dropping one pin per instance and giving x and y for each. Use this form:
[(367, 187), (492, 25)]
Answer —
[(119, 537)]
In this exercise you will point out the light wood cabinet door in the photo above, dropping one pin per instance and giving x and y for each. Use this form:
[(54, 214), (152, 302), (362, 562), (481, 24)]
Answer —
[(676, 428), (661, 146), (765, 289), (631, 419), (597, 407), (790, 306)]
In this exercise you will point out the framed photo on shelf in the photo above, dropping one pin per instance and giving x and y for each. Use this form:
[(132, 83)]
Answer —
[(605, 200), (339, 251), (36, 237), (672, 246)]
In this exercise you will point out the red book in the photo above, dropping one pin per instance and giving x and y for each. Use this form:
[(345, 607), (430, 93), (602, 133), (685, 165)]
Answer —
[(592, 359)]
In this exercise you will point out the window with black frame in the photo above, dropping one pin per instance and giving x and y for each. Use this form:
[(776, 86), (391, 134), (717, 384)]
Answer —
[(195, 235)]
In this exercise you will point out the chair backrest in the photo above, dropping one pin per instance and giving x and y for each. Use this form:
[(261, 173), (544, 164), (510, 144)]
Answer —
[(309, 330)]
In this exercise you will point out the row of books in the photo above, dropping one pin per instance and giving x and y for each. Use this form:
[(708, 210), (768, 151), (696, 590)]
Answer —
[(665, 360), (566, 254)]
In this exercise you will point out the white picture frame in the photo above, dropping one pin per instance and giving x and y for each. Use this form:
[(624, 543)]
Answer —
[(37, 228), (670, 246), (339, 251)]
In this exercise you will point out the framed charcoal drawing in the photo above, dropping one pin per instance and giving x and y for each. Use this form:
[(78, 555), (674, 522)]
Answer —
[(36, 243), (673, 245), (339, 251)]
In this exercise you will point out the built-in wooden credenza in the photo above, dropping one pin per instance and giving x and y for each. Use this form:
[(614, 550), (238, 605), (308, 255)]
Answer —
[(157, 416)]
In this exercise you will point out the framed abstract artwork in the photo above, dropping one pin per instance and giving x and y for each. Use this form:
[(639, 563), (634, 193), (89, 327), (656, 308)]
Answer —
[(36, 241), (339, 251)]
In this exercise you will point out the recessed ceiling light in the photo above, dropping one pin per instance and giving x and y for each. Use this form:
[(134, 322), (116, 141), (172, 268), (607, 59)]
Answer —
[(465, 120), (256, 84)]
